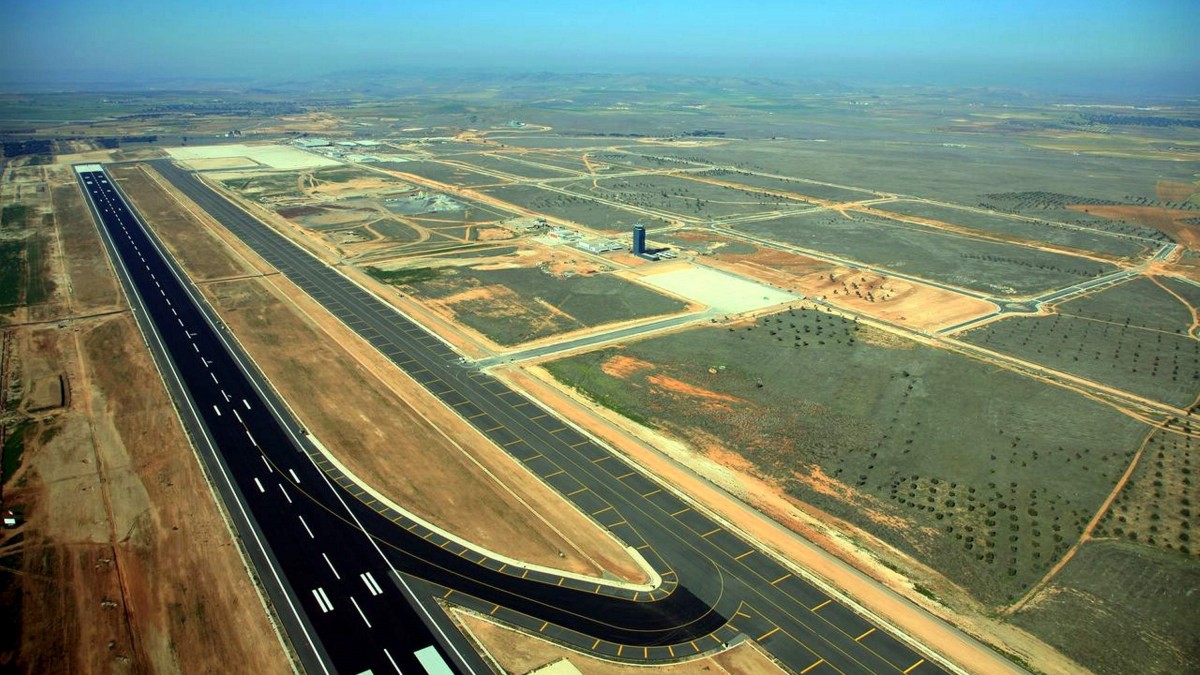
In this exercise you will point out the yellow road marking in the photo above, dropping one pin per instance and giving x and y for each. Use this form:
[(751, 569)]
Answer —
[(645, 652), (597, 461), (693, 644), (595, 644), (913, 666), (524, 573), (869, 631), (620, 648), (478, 414), (769, 633), (715, 638), (538, 417), (503, 566), (643, 546), (744, 554), (544, 624), (495, 428), (558, 430), (617, 524), (495, 609), (672, 650), (781, 579), (626, 475), (530, 459), (681, 511), (821, 605), (560, 581), (576, 445), (607, 508), (819, 662), (706, 534), (512, 442), (635, 596), (447, 593), (572, 494), (651, 493), (552, 475), (741, 614)]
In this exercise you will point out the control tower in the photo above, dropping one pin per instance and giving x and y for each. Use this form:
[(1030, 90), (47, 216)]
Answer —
[(639, 240)]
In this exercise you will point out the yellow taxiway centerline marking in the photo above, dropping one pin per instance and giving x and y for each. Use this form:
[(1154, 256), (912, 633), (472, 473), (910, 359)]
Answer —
[(819, 662), (820, 605), (913, 666), (769, 633), (869, 631)]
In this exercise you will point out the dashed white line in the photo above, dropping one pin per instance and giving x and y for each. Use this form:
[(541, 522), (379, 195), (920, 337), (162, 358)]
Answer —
[(306, 529), (218, 410), (260, 485), (390, 659), (360, 612), (245, 403), (331, 567), (195, 347), (294, 476), (174, 312), (239, 417), (371, 584), (264, 459), (323, 600), (252, 441), (225, 395), (285, 494), (180, 321), (214, 377)]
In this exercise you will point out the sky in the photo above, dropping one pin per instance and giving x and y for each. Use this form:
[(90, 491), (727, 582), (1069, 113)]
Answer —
[(1009, 43)]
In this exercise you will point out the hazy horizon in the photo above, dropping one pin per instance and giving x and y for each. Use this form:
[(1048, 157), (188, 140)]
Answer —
[(1070, 47)]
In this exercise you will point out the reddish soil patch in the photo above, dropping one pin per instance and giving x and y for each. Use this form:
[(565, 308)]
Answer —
[(675, 386), (624, 367), (1171, 191), (1168, 221)]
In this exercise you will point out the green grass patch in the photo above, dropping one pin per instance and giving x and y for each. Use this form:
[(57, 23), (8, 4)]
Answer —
[(37, 273), (14, 450), (12, 272), (14, 215), (403, 277)]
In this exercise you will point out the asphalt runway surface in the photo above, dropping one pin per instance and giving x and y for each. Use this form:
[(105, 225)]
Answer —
[(716, 587)]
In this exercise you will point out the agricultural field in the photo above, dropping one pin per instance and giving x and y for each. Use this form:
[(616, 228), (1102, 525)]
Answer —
[(1120, 607), (687, 198), (1155, 506), (989, 267), (515, 165), (1134, 337), (444, 173), (1038, 232), (952, 461), (516, 305), (802, 187), (581, 210)]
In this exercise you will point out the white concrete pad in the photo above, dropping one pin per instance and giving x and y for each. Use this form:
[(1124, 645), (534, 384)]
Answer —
[(721, 291), (281, 157)]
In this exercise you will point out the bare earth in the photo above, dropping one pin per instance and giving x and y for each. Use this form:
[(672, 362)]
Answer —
[(520, 653), (128, 565), (391, 433)]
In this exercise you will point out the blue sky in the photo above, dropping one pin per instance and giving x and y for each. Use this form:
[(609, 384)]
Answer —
[(931, 41)]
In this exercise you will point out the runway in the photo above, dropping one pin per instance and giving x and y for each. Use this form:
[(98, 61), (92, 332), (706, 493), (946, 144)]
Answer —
[(716, 587)]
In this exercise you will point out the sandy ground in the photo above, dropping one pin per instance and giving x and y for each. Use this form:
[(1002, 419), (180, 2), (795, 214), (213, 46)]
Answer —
[(281, 157), (893, 300), (760, 510), (1168, 221), (128, 566), (519, 653), (401, 441)]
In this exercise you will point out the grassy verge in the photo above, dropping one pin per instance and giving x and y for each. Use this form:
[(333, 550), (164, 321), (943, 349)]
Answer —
[(402, 277)]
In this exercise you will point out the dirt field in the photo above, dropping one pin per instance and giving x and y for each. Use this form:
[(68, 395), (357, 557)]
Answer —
[(894, 300), (1168, 221), (314, 361), (519, 653), (1171, 191), (128, 565)]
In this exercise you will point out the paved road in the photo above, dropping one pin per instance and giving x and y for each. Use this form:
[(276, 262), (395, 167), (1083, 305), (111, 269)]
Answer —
[(716, 586), (334, 592)]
